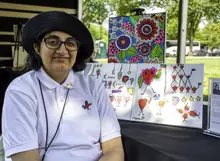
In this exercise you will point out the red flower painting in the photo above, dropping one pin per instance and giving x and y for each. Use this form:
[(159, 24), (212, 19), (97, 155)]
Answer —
[(147, 29)]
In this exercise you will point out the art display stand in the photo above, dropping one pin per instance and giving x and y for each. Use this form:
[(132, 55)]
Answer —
[(213, 111)]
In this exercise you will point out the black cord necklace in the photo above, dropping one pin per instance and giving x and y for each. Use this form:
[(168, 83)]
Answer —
[(45, 110)]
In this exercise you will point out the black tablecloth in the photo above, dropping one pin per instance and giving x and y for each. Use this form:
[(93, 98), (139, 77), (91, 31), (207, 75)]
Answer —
[(153, 142)]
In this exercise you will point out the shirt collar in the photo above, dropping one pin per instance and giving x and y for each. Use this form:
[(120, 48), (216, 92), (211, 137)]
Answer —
[(51, 84)]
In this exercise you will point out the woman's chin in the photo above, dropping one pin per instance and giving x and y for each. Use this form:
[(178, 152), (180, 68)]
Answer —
[(61, 67)]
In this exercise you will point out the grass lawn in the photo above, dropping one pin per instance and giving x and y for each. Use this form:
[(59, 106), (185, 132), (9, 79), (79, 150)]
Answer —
[(211, 68)]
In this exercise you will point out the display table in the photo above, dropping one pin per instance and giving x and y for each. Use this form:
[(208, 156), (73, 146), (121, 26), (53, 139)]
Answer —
[(151, 142)]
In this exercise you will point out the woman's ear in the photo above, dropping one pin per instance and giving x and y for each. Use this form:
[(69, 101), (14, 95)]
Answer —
[(37, 48)]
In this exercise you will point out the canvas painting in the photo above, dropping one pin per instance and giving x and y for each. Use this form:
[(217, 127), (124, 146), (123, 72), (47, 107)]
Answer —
[(137, 39)]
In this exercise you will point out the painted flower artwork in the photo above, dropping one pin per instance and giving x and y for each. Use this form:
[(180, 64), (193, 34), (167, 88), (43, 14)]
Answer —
[(147, 29), (137, 39)]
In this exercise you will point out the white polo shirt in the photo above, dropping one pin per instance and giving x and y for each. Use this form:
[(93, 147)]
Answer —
[(81, 130)]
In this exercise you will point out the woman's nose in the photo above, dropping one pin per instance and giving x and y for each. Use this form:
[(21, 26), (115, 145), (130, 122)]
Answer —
[(62, 48)]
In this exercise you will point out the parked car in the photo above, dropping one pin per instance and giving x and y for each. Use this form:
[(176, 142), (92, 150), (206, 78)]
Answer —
[(214, 52), (172, 53), (199, 53)]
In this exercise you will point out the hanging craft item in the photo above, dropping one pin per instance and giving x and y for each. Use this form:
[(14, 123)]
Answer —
[(129, 71), (137, 39), (120, 73), (113, 71)]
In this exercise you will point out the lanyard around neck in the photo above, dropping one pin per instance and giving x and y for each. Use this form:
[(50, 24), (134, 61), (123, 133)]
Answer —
[(47, 126)]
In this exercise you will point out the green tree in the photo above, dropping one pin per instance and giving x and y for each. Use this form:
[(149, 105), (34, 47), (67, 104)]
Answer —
[(94, 29), (95, 11), (172, 29), (210, 35), (123, 7), (197, 9)]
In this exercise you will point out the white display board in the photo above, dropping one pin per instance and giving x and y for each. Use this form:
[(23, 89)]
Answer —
[(168, 94)]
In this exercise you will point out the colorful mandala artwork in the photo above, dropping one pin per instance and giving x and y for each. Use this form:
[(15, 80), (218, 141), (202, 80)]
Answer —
[(137, 39)]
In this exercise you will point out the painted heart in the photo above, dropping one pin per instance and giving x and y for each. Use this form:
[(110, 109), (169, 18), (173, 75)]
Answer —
[(181, 88), (125, 78), (142, 103), (175, 100), (174, 67), (174, 77), (174, 88), (181, 76), (187, 89)]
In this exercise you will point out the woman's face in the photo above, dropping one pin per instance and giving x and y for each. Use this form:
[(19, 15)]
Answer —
[(216, 87), (56, 56)]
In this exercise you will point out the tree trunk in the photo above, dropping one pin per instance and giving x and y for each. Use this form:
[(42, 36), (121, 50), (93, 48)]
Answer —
[(191, 38), (100, 31)]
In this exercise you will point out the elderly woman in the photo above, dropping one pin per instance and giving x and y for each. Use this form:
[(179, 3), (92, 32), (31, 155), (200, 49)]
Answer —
[(55, 112)]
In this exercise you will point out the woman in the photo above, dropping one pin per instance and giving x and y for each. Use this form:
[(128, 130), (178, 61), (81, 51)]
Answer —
[(54, 112)]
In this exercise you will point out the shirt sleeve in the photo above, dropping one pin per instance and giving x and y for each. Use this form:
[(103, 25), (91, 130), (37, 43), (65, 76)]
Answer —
[(19, 121), (110, 127)]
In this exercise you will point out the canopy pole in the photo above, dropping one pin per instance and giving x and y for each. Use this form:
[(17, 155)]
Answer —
[(182, 31)]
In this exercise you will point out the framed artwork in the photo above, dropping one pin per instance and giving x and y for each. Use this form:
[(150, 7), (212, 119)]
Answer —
[(212, 125)]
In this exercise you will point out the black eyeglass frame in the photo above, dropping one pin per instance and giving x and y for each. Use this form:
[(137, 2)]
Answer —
[(60, 43)]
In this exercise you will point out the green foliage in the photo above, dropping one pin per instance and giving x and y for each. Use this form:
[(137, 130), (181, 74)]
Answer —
[(197, 10), (131, 51), (121, 55), (172, 29), (156, 51), (210, 35), (123, 7), (140, 81), (95, 31), (158, 74), (94, 11)]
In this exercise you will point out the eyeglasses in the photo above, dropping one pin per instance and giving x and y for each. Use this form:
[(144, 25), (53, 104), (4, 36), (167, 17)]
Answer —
[(55, 43)]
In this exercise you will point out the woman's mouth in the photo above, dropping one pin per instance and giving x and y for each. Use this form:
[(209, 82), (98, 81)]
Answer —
[(60, 57)]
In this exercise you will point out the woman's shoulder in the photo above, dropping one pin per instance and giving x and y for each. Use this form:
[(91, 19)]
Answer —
[(23, 82)]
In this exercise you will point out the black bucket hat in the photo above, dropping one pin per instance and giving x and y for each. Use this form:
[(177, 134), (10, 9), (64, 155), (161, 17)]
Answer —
[(57, 21)]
